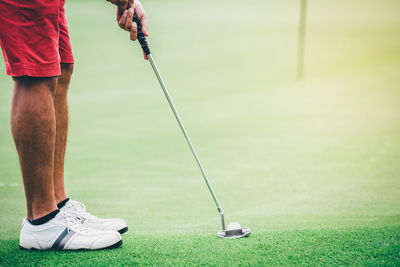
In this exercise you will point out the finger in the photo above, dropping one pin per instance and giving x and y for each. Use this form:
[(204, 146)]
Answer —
[(142, 17), (129, 18), (122, 21), (133, 33), (145, 56), (131, 3), (145, 27)]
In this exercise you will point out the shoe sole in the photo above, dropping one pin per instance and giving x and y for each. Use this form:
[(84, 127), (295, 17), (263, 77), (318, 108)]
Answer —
[(116, 245), (123, 230)]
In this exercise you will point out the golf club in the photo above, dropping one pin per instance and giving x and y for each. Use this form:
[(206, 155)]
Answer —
[(234, 229)]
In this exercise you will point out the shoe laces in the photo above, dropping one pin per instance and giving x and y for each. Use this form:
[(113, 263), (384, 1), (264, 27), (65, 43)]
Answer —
[(79, 209), (73, 224)]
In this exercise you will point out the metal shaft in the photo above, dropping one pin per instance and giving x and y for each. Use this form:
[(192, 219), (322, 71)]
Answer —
[(178, 119)]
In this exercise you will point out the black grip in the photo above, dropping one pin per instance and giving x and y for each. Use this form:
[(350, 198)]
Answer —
[(141, 37)]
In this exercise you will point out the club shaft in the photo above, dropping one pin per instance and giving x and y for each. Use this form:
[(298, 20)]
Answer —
[(178, 119)]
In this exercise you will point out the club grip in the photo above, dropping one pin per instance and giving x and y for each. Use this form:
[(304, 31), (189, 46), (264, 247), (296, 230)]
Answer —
[(141, 37)]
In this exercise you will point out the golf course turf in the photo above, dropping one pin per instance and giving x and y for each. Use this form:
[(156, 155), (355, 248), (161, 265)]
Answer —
[(312, 167), (363, 246)]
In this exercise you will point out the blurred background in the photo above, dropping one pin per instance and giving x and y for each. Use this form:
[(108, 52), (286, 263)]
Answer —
[(282, 153)]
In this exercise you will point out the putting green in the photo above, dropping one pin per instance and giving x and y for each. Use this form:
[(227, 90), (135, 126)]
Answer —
[(312, 166)]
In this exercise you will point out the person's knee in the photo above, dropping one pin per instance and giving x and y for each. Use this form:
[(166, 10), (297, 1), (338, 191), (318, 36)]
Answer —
[(63, 81), (66, 72), (38, 85)]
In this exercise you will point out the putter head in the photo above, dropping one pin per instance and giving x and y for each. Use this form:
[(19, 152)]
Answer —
[(234, 230)]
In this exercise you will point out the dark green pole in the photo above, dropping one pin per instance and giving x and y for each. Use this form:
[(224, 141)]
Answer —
[(301, 39)]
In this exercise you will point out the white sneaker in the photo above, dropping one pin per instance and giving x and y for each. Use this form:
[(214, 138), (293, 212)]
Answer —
[(64, 232), (78, 210)]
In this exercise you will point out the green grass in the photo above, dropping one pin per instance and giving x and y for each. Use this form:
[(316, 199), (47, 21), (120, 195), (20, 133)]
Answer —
[(363, 246), (312, 166)]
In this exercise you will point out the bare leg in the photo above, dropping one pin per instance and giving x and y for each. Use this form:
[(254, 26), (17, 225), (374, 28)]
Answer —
[(34, 131), (61, 109)]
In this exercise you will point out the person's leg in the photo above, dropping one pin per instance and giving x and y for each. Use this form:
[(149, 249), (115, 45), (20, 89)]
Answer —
[(33, 119), (61, 111), (34, 131)]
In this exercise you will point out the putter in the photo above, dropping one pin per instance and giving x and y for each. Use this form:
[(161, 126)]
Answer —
[(234, 229)]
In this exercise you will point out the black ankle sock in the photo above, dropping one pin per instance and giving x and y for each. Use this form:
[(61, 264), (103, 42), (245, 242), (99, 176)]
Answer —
[(45, 218), (62, 203)]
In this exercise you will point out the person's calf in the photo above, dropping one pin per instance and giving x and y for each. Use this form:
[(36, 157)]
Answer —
[(33, 129), (61, 111)]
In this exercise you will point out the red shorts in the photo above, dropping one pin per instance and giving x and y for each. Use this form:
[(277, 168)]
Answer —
[(34, 37)]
